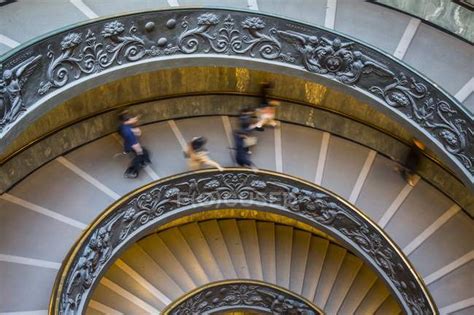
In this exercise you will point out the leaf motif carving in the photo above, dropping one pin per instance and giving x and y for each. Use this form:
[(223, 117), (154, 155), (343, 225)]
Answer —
[(324, 210)]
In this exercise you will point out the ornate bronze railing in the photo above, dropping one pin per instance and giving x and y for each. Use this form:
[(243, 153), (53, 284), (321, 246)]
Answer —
[(158, 203), (34, 74), (229, 295)]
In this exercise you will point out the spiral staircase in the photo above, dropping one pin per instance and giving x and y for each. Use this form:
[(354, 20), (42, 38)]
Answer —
[(191, 255), (43, 215)]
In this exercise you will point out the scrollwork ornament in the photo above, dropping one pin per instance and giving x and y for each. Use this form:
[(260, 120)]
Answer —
[(210, 188), (243, 295), (231, 39), (100, 45), (58, 70), (123, 45), (437, 116), (188, 40), (78, 58)]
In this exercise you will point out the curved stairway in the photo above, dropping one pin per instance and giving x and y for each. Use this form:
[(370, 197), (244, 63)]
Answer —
[(43, 215), (164, 266), (441, 57)]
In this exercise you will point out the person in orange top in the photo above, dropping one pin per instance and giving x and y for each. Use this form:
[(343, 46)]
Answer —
[(266, 115)]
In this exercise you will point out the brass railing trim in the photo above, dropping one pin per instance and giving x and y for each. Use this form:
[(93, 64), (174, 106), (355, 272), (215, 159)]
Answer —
[(197, 290), (69, 259), (260, 216)]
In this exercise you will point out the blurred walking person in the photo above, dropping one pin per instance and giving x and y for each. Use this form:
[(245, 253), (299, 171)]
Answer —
[(266, 115), (265, 90), (242, 152), (267, 108), (246, 126), (412, 162), (130, 133), (197, 155), (245, 119)]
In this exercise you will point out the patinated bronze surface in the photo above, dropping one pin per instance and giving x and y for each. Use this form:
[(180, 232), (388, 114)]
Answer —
[(209, 190), (87, 50)]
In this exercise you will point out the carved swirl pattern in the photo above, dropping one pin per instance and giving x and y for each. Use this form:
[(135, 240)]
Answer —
[(102, 45), (243, 295), (433, 114), (210, 188)]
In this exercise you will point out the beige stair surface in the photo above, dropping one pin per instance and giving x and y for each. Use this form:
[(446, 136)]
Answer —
[(364, 280), (332, 264), (299, 260), (163, 266), (419, 218), (347, 273), (249, 234), (373, 299)]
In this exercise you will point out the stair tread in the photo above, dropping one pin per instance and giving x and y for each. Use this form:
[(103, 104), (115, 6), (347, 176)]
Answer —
[(162, 255), (389, 306), (216, 242), (138, 259), (345, 278), (299, 259), (283, 246), (182, 251), (332, 263), (197, 240), (317, 253), (374, 298), (364, 280), (266, 239), (248, 233), (232, 239), (119, 277), (97, 160), (108, 297)]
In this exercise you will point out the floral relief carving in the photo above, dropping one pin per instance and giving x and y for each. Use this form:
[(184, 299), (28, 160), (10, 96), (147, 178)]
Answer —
[(230, 38), (437, 116), (248, 295), (94, 56), (333, 57), (90, 49), (94, 256), (211, 188)]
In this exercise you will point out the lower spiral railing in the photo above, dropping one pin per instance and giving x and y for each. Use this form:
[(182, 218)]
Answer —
[(160, 202), (251, 295)]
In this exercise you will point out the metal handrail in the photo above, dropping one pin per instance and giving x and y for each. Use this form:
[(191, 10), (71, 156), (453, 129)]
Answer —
[(37, 72), (144, 210), (257, 295)]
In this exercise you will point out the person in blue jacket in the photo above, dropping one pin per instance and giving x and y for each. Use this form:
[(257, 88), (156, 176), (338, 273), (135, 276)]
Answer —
[(242, 154), (130, 133)]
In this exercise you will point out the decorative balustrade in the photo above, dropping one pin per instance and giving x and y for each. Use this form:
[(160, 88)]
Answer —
[(138, 214), (225, 296), (31, 74)]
